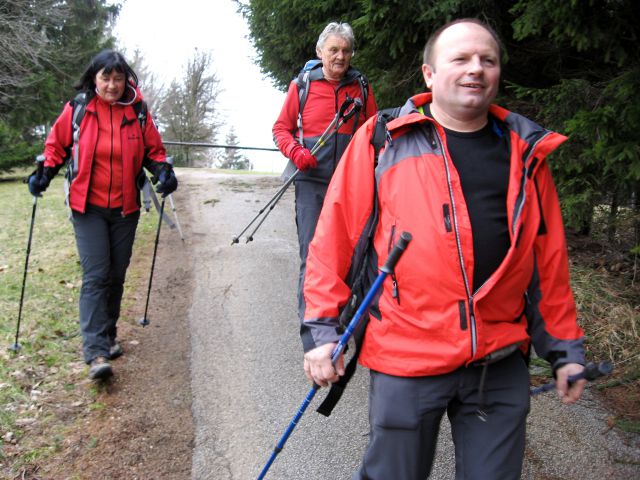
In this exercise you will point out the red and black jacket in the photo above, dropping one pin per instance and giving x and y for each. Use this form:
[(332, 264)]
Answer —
[(324, 99), (438, 323)]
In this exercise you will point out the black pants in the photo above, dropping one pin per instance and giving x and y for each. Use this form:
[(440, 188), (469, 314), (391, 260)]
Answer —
[(309, 200), (405, 415), (105, 242)]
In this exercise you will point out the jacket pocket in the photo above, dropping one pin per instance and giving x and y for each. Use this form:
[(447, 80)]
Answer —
[(462, 309), (396, 288), (446, 214)]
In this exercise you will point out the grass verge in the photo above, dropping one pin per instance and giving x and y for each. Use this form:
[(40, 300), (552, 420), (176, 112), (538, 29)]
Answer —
[(43, 386)]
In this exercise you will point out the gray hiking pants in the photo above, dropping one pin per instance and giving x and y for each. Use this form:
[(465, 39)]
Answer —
[(405, 414), (309, 200), (105, 242)]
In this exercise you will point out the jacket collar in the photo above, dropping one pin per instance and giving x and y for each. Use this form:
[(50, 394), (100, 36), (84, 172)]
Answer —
[(541, 141)]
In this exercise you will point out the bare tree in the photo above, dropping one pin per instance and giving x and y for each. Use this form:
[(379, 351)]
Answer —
[(188, 112), (24, 42), (152, 90)]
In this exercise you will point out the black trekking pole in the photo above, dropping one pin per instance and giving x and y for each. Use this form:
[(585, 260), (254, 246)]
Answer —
[(386, 269), (590, 373), (321, 141), (144, 321), (357, 105), (39, 169)]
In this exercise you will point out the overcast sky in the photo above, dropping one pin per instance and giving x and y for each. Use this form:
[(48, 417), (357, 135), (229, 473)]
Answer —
[(167, 33)]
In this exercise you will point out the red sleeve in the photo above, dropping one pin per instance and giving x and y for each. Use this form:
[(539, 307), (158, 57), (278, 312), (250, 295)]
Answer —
[(286, 125), (153, 146), (346, 209), (557, 304), (60, 138)]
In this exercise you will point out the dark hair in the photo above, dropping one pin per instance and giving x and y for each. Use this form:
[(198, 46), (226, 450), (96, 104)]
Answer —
[(427, 56), (109, 60)]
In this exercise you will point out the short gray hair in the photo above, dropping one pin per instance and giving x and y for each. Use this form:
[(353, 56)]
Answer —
[(339, 29)]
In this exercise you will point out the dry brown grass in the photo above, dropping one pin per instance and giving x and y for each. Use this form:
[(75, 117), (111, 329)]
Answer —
[(609, 312)]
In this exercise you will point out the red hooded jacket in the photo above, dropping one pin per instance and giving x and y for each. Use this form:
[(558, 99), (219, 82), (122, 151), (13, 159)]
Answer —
[(438, 323), (95, 182)]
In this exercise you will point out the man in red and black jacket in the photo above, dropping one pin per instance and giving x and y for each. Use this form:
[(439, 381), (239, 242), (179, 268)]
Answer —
[(485, 277), (331, 83)]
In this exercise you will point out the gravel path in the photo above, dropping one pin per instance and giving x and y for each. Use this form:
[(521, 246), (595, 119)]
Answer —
[(246, 363)]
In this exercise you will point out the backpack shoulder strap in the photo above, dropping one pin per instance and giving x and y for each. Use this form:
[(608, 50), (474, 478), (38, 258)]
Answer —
[(141, 109), (361, 271), (364, 88), (380, 132), (79, 104), (310, 71), (359, 277)]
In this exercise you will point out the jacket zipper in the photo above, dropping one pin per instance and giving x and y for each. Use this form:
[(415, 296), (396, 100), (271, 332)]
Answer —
[(454, 216), (335, 137), (110, 157)]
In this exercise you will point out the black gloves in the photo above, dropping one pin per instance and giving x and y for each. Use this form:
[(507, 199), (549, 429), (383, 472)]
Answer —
[(39, 183), (167, 181)]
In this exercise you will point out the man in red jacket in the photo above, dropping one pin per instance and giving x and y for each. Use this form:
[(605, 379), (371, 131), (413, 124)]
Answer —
[(485, 276), (297, 129)]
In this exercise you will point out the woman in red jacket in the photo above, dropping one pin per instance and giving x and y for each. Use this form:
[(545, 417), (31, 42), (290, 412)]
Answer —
[(111, 147)]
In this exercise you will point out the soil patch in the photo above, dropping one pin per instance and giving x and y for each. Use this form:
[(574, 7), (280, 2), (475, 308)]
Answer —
[(142, 428)]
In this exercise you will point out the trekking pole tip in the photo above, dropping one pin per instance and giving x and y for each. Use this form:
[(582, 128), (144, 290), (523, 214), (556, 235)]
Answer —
[(143, 321), (15, 348), (233, 241), (249, 239)]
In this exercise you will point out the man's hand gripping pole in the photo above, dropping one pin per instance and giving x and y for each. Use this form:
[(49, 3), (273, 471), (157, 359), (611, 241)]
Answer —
[(591, 372)]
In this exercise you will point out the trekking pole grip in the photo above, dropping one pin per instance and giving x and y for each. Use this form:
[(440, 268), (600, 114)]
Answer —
[(396, 253), (40, 165), (590, 373)]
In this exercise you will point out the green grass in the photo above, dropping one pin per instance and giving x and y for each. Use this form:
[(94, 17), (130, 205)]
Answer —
[(50, 359)]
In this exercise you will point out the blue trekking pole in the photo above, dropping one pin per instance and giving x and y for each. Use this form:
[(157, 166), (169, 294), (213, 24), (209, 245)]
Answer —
[(591, 372), (385, 270)]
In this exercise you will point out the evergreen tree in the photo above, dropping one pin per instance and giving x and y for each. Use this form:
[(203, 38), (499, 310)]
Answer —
[(231, 158), (572, 66), (45, 45)]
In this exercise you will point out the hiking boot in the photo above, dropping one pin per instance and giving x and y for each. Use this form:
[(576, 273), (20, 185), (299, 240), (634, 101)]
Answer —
[(115, 351), (100, 369)]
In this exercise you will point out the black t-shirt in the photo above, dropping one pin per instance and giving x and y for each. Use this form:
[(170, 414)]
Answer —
[(482, 161)]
